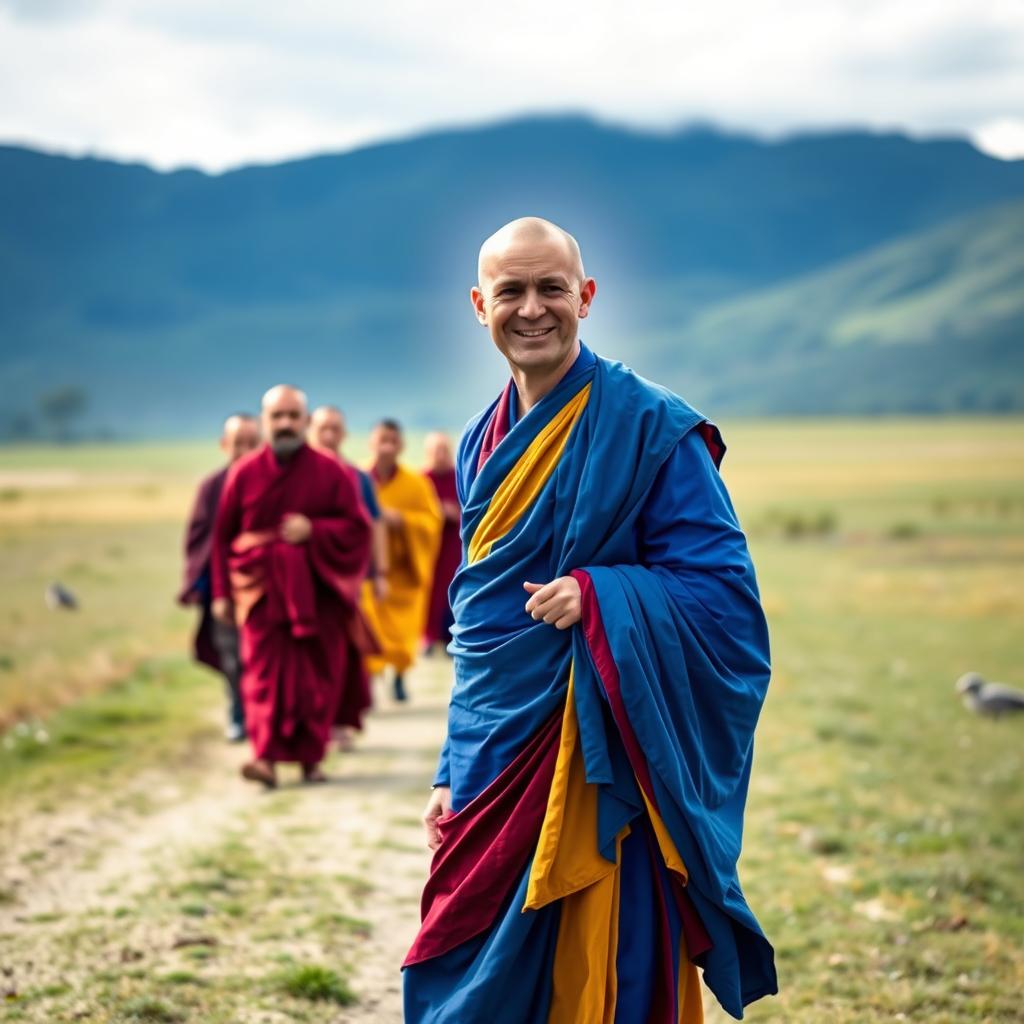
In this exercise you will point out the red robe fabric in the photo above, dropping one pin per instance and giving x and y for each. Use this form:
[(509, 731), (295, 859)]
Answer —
[(448, 558), (296, 605), (356, 695), (195, 587)]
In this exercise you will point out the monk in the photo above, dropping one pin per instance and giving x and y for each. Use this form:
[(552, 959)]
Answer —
[(440, 470), (216, 643), (412, 515), (326, 433), (291, 546), (611, 659)]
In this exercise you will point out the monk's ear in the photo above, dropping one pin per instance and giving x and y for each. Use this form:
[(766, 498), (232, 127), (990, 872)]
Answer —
[(587, 292), (477, 298)]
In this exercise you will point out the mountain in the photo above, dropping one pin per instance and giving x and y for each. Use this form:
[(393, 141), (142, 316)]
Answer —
[(930, 323), (171, 298)]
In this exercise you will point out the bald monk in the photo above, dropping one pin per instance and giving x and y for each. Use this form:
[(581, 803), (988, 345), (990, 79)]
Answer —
[(216, 643), (440, 470), (412, 515), (326, 433), (611, 659), (291, 546)]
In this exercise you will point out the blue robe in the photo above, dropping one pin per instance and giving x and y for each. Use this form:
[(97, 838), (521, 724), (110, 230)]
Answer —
[(636, 502)]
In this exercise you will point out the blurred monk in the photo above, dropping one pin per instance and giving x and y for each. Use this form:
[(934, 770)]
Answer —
[(412, 515), (440, 470), (327, 434), (216, 643), (291, 546)]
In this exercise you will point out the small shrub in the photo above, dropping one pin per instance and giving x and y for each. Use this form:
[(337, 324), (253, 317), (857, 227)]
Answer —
[(147, 1008), (317, 984), (904, 531)]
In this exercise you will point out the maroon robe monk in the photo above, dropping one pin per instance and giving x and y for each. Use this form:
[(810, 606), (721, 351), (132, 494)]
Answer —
[(292, 543), (216, 643), (441, 472), (195, 589), (326, 434)]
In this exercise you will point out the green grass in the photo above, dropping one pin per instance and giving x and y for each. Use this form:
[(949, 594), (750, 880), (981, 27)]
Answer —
[(884, 826), (157, 714), (316, 983)]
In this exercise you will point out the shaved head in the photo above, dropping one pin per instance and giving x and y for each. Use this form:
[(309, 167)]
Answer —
[(284, 392), (326, 429), (439, 452), (285, 417), (241, 434), (527, 231), (531, 294)]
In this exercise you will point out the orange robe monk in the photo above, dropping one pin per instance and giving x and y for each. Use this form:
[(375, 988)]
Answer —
[(414, 535), (296, 604)]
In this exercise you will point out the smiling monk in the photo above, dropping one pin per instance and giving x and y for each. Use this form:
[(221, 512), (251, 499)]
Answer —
[(611, 660), (291, 546)]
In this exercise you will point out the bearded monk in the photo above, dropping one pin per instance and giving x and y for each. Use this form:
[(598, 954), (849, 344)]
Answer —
[(216, 643), (611, 659), (412, 515), (291, 547)]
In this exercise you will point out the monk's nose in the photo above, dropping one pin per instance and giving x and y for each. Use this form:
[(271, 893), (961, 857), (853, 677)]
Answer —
[(532, 307)]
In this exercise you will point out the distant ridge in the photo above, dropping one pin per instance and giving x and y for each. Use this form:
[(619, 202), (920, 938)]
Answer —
[(169, 297)]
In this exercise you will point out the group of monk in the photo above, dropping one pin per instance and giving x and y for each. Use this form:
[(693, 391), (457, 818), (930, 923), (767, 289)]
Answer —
[(313, 575), (610, 656)]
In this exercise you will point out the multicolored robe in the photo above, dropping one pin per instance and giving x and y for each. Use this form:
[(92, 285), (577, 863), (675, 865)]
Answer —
[(598, 774)]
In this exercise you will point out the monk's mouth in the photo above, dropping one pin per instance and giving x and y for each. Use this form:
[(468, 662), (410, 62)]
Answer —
[(539, 332)]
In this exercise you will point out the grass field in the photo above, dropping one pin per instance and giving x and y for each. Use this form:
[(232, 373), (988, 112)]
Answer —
[(885, 823)]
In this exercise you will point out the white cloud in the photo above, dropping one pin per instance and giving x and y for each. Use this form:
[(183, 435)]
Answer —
[(1002, 137), (187, 82)]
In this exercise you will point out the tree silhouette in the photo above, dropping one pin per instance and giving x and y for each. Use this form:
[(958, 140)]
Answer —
[(61, 407)]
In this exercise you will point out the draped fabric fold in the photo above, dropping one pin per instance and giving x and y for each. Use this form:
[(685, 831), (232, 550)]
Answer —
[(295, 604), (398, 619), (623, 880)]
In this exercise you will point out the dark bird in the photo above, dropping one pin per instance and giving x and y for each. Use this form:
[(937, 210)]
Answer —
[(993, 699), (58, 596)]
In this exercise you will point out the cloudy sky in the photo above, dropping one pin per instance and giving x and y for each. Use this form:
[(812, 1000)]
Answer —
[(217, 83)]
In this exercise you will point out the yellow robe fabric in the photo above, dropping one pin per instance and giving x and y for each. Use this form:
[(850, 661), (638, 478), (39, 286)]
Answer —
[(398, 621)]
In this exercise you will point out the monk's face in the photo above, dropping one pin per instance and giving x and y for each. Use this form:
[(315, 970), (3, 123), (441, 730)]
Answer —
[(531, 298), (240, 437), (285, 421), (385, 445), (326, 430), (438, 450)]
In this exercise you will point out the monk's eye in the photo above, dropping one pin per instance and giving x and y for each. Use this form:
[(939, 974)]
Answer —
[(551, 289)]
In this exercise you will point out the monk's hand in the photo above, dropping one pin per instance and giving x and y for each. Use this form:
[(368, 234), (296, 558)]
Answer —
[(558, 603), (392, 517), (380, 587), (440, 804), (295, 528), (222, 611)]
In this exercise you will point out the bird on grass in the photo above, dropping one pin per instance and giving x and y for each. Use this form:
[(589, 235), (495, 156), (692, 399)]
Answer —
[(993, 699), (58, 596)]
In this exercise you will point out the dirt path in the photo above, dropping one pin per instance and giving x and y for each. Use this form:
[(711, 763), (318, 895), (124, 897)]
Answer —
[(199, 877)]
